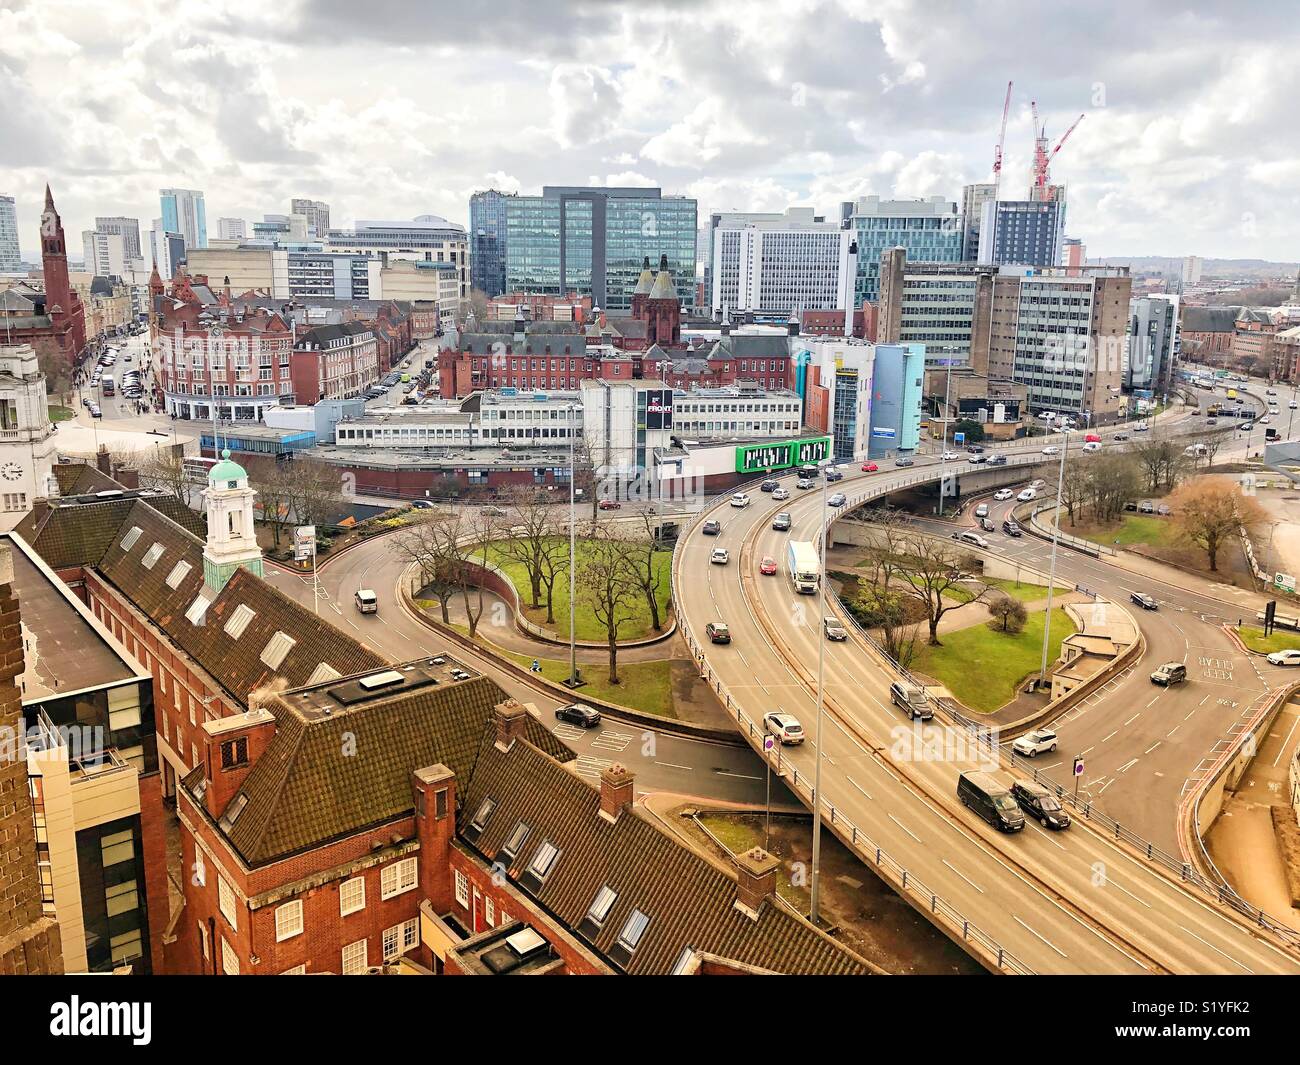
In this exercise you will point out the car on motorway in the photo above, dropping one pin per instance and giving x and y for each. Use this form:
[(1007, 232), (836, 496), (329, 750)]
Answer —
[(712, 527), (740, 499), (986, 524), (780, 494), (1170, 673), (1246, 426), (1270, 392), (870, 467), (1051, 449), (767, 567), (904, 461), (1027, 495), (785, 727), (804, 483), (975, 449), (991, 799), (1264, 420), (912, 699), (1003, 493), (1120, 436), (717, 632), (973, 539), (609, 504), (982, 511), (950, 456), (1091, 446), (720, 556), (769, 486), (997, 460), (1288, 657), (781, 523), (834, 630), (837, 499), (834, 475), (1293, 405), (579, 714), (1012, 527), (1039, 803), (1032, 744), (978, 460)]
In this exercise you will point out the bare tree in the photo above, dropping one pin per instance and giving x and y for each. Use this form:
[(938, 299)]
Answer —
[(643, 554), (934, 570), (1161, 460), (1210, 511), (1009, 613), (609, 589), (1211, 446), (272, 480), (532, 533), (430, 542), (477, 533), (314, 490), (164, 470)]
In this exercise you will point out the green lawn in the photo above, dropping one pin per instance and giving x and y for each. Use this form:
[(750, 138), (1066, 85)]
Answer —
[(1024, 591), (1281, 640), (587, 625), (1133, 529), (739, 836), (61, 414), (982, 668)]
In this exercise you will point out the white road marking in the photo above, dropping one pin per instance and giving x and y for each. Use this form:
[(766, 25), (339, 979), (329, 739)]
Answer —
[(1217, 951), (963, 876), (905, 828), (1045, 940)]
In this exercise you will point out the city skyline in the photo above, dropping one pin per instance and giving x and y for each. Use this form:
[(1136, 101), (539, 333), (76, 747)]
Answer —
[(1166, 162)]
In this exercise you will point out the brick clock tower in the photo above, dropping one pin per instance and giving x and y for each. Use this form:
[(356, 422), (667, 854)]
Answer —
[(62, 304)]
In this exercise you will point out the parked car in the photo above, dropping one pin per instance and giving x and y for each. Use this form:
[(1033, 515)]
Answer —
[(579, 714), (781, 523), (870, 467), (988, 797), (720, 556), (740, 499), (769, 486), (767, 567), (1146, 506), (834, 630), (717, 632), (1032, 744), (781, 493), (1144, 601), (609, 504), (904, 461), (837, 499), (711, 527), (1288, 657), (1012, 527), (785, 727), (1040, 804), (974, 539), (1170, 673), (1003, 493), (912, 699)]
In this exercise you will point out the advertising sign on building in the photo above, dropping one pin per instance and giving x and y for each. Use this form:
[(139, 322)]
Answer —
[(756, 458), (659, 408)]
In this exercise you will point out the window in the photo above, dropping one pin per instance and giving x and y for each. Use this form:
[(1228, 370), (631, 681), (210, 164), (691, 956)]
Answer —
[(354, 958), (121, 898), (352, 895), (462, 889), (234, 753), (238, 621), (633, 930), (322, 673), (398, 878), (179, 572), (203, 940), (544, 860), (118, 847), (480, 818), (401, 938), (601, 905), (226, 901), (197, 609), (490, 912), (515, 840), (288, 920), (683, 960), (229, 960), (233, 811), (152, 556), (276, 648), (128, 541), (297, 970)]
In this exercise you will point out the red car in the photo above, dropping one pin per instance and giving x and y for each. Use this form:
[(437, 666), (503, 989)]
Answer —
[(610, 504), (767, 567), (870, 467)]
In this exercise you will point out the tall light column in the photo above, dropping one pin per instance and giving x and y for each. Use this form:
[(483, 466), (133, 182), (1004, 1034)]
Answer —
[(574, 680), (1051, 572), (815, 902)]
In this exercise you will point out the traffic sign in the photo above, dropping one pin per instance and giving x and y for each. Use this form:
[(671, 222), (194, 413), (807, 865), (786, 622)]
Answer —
[(768, 743), (1078, 766)]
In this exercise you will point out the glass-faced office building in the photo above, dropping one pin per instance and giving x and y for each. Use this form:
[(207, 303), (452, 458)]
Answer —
[(487, 251), (931, 231), (593, 241)]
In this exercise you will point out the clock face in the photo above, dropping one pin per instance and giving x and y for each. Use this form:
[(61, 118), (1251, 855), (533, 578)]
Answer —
[(11, 471)]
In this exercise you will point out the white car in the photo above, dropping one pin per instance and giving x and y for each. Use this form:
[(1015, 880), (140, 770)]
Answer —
[(1264, 420), (740, 499), (949, 456), (1035, 743), (1051, 449), (974, 539), (785, 727), (780, 493), (720, 556), (1027, 495), (1284, 658), (1003, 493)]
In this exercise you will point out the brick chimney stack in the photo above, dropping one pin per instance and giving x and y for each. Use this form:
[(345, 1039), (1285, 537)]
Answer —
[(231, 747), (434, 788), (755, 880), (616, 791), (510, 718)]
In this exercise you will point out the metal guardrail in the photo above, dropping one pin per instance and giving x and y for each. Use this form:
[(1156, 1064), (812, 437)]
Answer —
[(1088, 547)]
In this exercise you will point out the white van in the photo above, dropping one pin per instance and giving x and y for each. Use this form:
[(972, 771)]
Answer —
[(366, 600), (1091, 446), (1027, 495)]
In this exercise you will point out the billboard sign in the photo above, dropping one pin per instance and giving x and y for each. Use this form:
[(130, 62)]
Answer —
[(659, 408), (758, 458)]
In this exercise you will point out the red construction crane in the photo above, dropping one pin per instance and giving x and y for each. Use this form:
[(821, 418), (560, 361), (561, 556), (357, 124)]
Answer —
[(1002, 136), (1043, 157)]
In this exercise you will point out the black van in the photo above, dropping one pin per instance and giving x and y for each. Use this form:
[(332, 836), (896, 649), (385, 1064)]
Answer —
[(991, 799)]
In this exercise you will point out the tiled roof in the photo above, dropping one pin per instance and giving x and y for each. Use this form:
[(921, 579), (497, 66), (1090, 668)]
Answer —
[(688, 900), (73, 536), (81, 478), (303, 791)]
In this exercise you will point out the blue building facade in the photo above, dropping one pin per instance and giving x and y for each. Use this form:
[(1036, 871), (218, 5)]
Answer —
[(488, 241), (1023, 232), (897, 383), (930, 230)]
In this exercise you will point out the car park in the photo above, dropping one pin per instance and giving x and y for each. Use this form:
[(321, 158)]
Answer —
[(720, 556), (870, 467), (781, 523), (579, 714), (912, 699), (1032, 744), (712, 527), (837, 499), (717, 632), (991, 800), (785, 727), (1170, 673), (767, 567), (740, 499), (1039, 803), (834, 630), (780, 494), (1288, 657), (1003, 493), (1012, 528)]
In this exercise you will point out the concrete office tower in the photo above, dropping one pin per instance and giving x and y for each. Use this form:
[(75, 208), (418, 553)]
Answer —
[(9, 254), (104, 253), (183, 212), (1191, 269), (1152, 344), (232, 229), (1023, 232), (778, 262), (317, 213), (166, 248), (126, 228), (928, 230), (1074, 256), (943, 306), (973, 199)]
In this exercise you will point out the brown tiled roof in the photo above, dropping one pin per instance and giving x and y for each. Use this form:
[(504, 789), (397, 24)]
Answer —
[(74, 536), (688, 899), (81, 478), (306, 789)]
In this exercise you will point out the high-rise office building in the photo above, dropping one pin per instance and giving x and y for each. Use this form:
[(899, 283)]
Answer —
[(1022, 232), (126, 228), (9, 254), (166, 248), (593, 241), (487, 236), (104, 253), (1152, 344), (929, 230), (973, 199), (232, 229), (183, 212), (1191, 269), (795, 260), (317, 213)]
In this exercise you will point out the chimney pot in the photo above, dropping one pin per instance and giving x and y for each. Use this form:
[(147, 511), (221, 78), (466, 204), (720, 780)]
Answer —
[(755, 880), (616, 791), (510, 718)]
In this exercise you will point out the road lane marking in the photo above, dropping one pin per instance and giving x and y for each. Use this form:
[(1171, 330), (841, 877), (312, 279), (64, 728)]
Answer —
[(674, 765), (905, 828), (963, 876), (1043, 938), (1217, 951)]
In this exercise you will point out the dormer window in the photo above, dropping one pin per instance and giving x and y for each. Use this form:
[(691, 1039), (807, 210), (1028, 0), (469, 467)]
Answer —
[(239, 620), (152, 556), (515, 840)]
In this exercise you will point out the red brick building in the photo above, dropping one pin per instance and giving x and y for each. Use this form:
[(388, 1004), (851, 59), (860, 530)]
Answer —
[(831, 323), (334, 362), (52, 320), (1206, 332)]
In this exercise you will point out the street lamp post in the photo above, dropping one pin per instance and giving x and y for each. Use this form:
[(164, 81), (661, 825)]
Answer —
[(574, 679), (815, 895), (943, 459), (1051, 573)]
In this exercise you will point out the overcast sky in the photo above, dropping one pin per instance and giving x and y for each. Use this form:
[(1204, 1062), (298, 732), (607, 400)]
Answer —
[(392, 108)]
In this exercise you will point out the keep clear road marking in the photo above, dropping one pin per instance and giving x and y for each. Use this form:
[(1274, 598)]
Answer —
[(1047, 941)]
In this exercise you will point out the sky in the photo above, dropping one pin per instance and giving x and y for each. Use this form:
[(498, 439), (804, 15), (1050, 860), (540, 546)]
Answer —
[(393, 108)]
